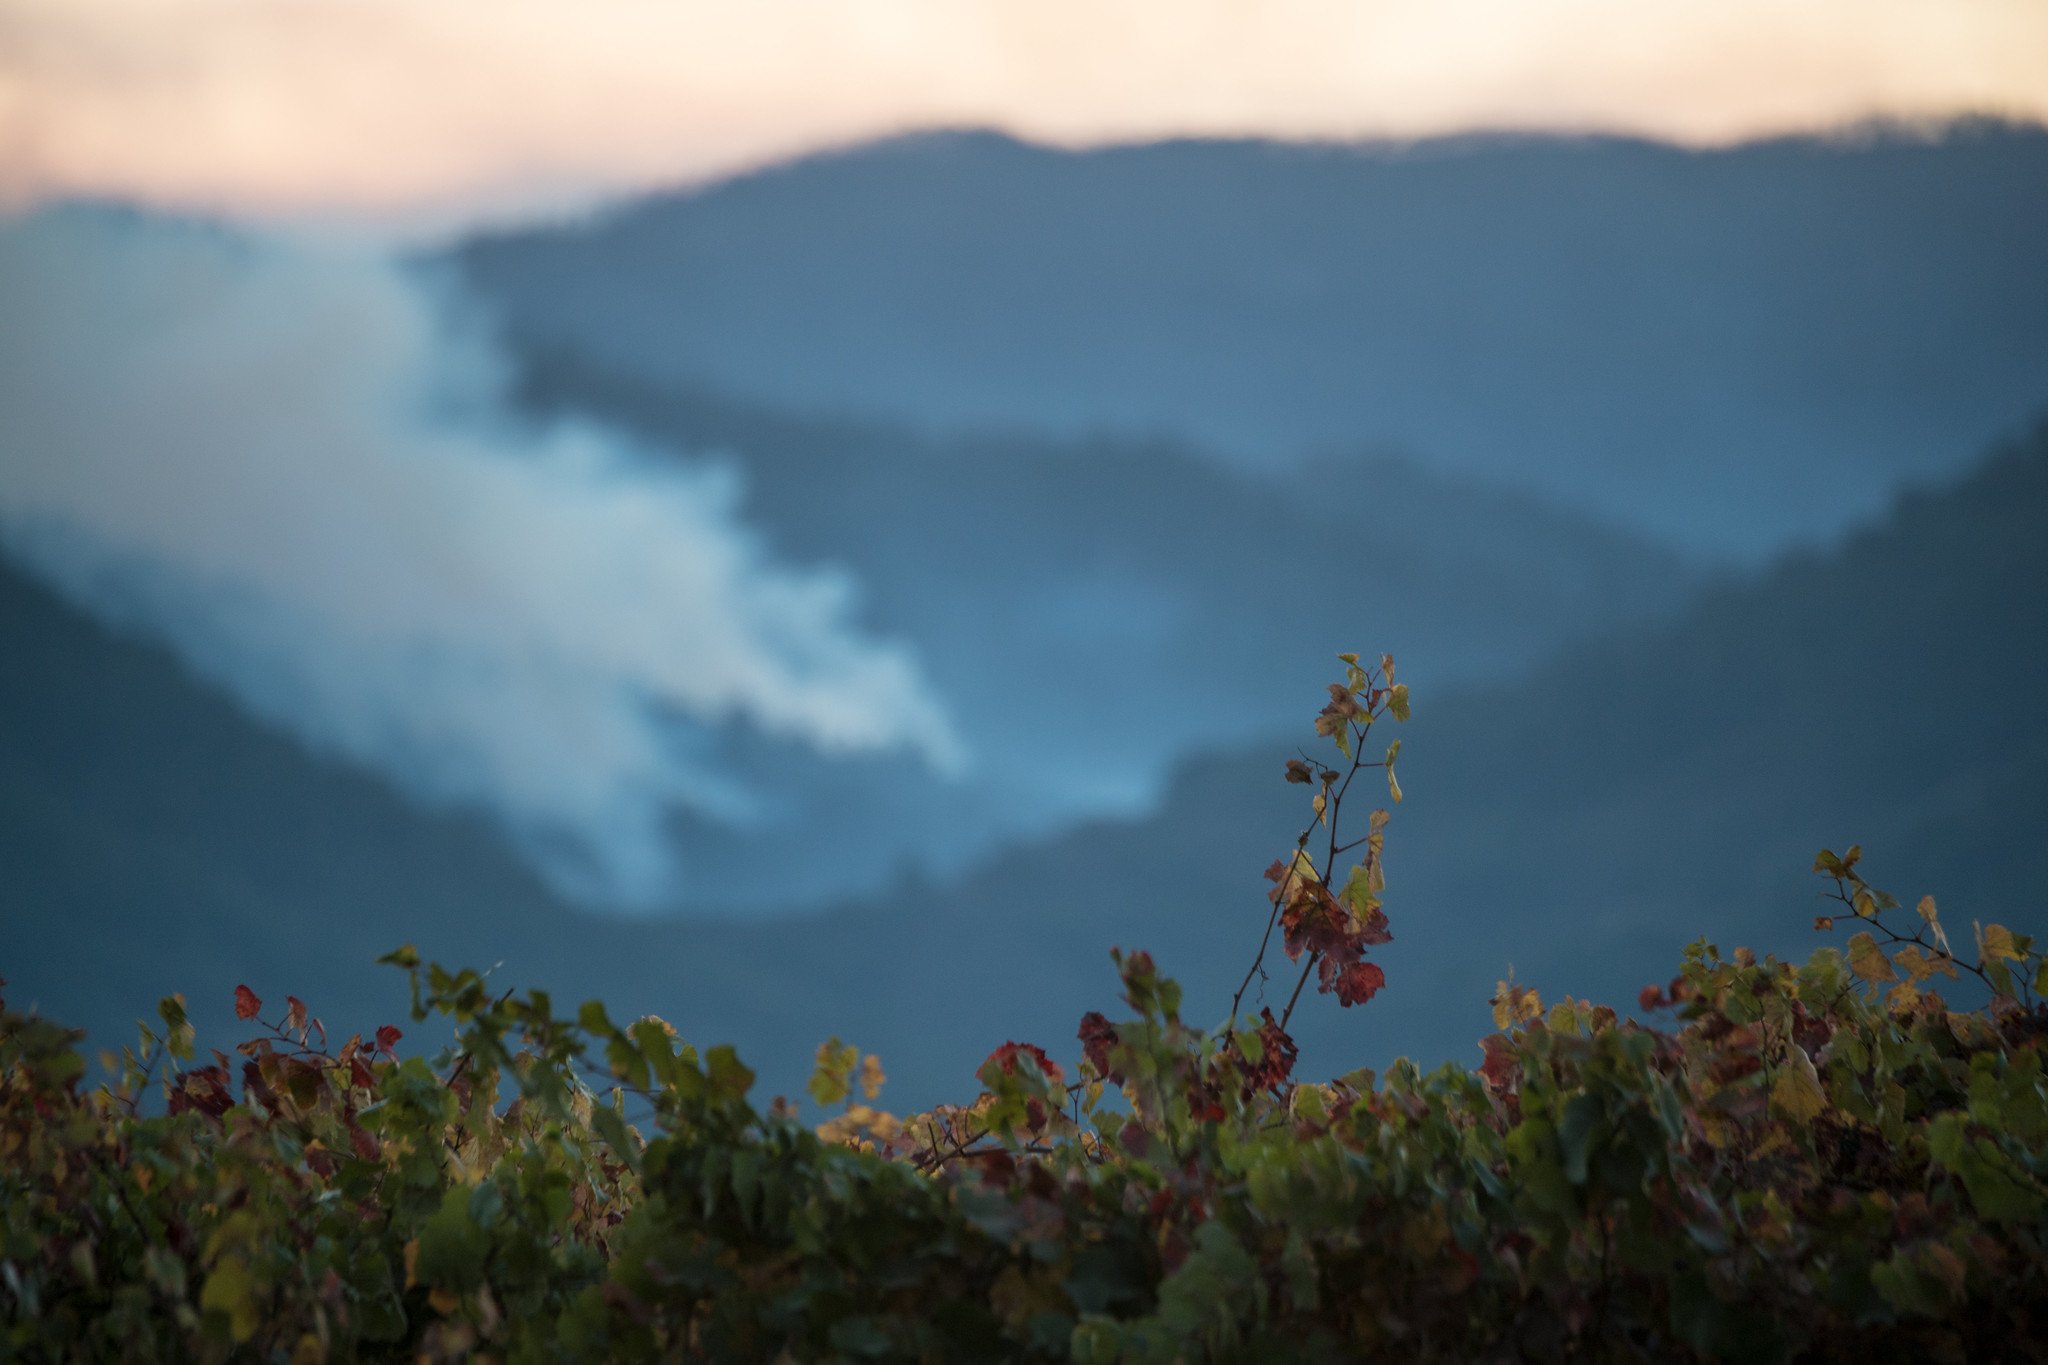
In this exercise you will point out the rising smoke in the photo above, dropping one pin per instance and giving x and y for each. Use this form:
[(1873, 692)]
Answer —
[(288, 460)]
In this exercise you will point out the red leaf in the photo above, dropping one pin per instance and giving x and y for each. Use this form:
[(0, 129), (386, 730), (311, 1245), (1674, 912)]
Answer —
[(246, 1003), (1006, 1058), (1360, 982), (1098, 1036), (1502, 1067), (1204, 1104), (1278, 1062), (1651, 998), (387, 1038)]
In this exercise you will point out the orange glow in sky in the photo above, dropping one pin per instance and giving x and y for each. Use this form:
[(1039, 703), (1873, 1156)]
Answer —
[(444, 112)]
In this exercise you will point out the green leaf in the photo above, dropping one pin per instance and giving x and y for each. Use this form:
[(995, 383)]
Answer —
[(832, 1075), (1397, 701), (452, 1246), (2000, 1191), (178, 1031), (862, 1336), (730, 1078), (611, 1126), (1578, 1131)]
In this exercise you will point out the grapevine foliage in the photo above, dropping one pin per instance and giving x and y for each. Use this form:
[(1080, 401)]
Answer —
[(1822, 1161)]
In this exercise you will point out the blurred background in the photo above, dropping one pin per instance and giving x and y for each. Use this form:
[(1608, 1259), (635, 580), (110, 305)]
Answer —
[(822, 519)]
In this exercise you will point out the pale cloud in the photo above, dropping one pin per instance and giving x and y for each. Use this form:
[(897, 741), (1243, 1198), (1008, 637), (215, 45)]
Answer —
[(410, 111)]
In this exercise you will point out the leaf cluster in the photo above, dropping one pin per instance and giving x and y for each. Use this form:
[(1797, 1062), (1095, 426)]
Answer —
[(1824, 1160)]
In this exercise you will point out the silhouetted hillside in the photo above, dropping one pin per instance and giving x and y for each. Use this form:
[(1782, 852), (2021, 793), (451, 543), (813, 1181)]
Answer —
[(1667, 783), (1731, 349)]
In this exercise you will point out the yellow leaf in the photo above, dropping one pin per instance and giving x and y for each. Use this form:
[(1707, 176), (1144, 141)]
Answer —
[(1320, 804), (412, 1258), (872, 1077), (1796, 1095), (1919, 966), (1393, 787), (230, 1289), (1865, 906), (1996, 943), (1926, 908), (1772, 1142), (1868, 961), (1514, 1004), (1903, 997), (444, 1301), (1718, 1129)]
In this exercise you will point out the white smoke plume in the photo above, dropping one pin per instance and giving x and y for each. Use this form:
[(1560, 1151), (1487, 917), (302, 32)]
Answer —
[(283, 458)]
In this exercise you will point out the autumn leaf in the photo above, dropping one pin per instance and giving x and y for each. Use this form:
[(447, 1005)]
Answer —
[(832, 1078), (1996, 943), (247, 1006), (1360, 982), (1868, 961), (387, 1038), (1006, 1057), (1796, 1095), (1514, 1004), (1098, 1036)]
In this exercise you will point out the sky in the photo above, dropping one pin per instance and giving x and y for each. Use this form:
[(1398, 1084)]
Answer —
[(276, 447), (424, 118)]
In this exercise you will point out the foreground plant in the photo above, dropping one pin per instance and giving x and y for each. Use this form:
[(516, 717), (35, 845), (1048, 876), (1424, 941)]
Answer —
[(1822, 1161)]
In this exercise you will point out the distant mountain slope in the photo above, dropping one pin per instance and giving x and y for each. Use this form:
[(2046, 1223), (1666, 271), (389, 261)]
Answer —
[(1054, 590), (1731, 348), (1668, 783), (153, 838)]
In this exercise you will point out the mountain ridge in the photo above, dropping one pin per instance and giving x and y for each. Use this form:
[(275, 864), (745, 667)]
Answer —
[(1706, 344)]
